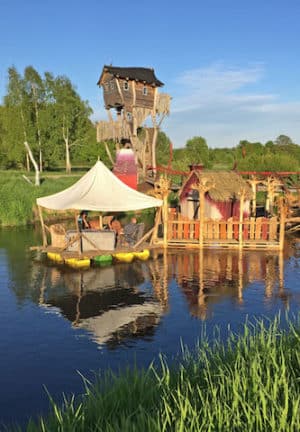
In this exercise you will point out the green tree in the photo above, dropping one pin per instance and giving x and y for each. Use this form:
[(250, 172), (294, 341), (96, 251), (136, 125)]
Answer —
[(197, 150), (71, 114), (283, 140), (35, 90), (163, 149)]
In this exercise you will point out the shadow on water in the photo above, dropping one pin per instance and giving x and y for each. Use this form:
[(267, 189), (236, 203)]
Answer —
[(59, 320)]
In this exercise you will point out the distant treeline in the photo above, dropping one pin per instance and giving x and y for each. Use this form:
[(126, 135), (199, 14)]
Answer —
[(48, 114)]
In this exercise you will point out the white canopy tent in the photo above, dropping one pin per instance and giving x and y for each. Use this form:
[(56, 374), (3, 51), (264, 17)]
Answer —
[(99, 190)]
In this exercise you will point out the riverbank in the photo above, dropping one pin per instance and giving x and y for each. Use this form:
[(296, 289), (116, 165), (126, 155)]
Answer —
[(18, 196), (247, 383)]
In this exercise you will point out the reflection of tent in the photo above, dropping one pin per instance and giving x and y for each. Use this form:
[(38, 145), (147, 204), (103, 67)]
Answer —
[(105, 326), (99, 190)]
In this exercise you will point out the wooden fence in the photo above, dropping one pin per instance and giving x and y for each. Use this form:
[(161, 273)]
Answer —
[(253, 229)]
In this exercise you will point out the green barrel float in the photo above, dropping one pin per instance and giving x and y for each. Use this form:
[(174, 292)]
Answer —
[(102, 259)]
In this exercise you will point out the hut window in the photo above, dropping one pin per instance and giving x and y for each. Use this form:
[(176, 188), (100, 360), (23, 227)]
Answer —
[(145, 91), (106, 87), (129, 116), (112, 86), (126, 85)]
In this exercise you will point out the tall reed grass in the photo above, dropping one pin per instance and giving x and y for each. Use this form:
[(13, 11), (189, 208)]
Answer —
[(18, 197), (248, 383)]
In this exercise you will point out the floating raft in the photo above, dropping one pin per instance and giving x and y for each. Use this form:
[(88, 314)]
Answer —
[(106, 259)]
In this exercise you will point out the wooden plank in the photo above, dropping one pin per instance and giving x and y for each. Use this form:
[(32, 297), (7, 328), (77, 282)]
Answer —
[(258, 233), (229, 229), (209, 226), (179, 230), (273, 228), (197, 225), (216, 230), (264, 229), (235, 229), (252, 228), (186, 230), (246, 229), (223, 233)]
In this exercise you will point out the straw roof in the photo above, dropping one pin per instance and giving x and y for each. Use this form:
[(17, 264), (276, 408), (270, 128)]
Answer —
[(224, 185)]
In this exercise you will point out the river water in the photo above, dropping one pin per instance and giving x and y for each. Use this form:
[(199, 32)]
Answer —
[(58, 324)]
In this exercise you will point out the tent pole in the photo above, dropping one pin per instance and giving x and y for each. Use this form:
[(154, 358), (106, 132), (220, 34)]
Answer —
[(43, 226), (78, 232)]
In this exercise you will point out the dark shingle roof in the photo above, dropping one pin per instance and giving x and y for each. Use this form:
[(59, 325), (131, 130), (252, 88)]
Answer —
[(134, 73)]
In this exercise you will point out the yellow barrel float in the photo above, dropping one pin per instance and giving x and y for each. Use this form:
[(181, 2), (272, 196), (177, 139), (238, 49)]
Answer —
[(142, 255), (124, 256), (55, 257), (78, 263)]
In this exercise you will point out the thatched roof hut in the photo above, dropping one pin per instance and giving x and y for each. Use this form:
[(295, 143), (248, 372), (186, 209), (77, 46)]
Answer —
[(223, 195)]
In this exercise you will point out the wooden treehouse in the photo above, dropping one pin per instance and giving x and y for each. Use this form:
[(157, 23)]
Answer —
[(131, 98)]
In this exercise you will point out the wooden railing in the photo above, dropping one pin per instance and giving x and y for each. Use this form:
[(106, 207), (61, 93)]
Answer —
[(265, 229)]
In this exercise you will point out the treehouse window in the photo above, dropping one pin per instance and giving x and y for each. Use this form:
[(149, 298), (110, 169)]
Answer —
[(145, 91), (129, 116), (126, 86), (112, 86), (106, 87)]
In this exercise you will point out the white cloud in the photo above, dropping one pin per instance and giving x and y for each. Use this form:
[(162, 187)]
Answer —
[(222, 104)]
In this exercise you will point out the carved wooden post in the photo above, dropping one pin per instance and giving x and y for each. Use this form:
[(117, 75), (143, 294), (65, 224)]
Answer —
[(253, 182), (164, 184), (283, 211), (242, 199), (203, 186)]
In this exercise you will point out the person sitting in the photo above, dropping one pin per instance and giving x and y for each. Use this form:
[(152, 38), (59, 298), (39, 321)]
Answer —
[(83, 222), (115, 225), (130, 231)]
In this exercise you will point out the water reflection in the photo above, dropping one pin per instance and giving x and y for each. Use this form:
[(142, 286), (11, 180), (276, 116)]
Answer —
[(212, 276), (108, 302), (123, 301)]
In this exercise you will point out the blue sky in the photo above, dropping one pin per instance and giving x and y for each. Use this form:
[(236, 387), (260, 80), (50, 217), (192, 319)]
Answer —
[(232, 67)]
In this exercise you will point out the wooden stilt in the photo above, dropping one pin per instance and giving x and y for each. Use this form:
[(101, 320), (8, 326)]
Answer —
[(43, 226), (242, 199), (282, 224)]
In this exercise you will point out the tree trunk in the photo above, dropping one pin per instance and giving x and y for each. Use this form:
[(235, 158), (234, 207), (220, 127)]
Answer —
[(153, 149), (68, 160), (27, 162), (37, 173)]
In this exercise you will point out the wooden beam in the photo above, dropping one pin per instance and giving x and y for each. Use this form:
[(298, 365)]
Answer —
[(43, 226)]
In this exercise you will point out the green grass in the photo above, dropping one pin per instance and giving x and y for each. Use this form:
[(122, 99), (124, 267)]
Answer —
[(249, 383), (18, 197)]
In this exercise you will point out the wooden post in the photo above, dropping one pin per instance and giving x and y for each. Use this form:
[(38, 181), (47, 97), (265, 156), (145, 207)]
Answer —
[(164, 184), (78, 232), (201, 215), (253, 182), (43, 226), (203, 186), (282, 224), (156, 224), (100, 221), (165, 216), (242, 199)]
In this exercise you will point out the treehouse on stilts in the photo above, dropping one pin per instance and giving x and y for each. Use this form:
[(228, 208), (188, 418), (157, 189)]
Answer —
[(131, 98)]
